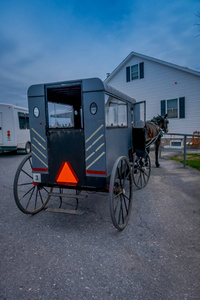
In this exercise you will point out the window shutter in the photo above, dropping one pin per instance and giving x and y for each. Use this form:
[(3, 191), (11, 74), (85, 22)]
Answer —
[(182, 107), (141, 70), (163, 107), (127, 74)]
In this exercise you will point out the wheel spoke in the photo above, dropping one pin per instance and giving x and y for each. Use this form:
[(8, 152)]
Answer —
[(26, 193), (144, 177), (30, 163), (139, 178), (117, 195), (121, 190), (30, 198), (141, 172), (41, 197), (115, 209), (21, 184), (125, 203), (36, 198), (127, 197), (45, 190), (122, 212), (27, 174)]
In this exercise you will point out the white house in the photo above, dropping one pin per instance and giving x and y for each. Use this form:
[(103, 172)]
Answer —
[(166, 87)]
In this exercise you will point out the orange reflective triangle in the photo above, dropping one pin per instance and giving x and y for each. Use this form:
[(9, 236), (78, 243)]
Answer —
[(66, 175)]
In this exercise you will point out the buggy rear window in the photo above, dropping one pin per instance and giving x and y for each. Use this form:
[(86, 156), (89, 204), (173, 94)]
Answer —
[(60, 115), (64, 106)]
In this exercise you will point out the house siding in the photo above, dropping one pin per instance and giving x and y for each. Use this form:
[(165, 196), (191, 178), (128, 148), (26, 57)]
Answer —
[(162, 82)]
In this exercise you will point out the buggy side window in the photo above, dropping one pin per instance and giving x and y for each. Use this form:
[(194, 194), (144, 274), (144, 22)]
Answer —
[(116, 112), (60, 115)]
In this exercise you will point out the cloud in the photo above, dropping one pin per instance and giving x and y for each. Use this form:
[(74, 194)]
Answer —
[(77, 39)]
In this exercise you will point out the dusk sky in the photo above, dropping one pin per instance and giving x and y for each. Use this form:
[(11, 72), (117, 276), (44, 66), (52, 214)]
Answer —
[(57, 40)]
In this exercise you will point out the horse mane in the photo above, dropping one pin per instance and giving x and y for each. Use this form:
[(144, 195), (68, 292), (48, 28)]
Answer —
[(156, 119)]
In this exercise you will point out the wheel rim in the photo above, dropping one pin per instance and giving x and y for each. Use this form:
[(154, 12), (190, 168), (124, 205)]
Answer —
[(29, 197), (141, 170), (121, 193)]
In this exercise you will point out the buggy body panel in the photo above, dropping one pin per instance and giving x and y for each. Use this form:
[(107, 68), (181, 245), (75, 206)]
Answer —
[(69, 124)]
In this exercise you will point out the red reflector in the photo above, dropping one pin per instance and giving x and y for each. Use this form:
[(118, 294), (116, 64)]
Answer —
[(39, 169), (95, 172), (8, 132), (66, 175)]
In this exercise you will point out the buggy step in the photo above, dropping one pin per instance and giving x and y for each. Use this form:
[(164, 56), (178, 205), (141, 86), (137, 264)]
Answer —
[(65, 211), (68, 195)]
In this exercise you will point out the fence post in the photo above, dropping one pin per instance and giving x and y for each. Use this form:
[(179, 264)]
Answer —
[(185, 137)]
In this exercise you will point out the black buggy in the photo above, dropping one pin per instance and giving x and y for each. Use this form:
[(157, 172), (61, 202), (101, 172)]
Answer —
[(85, 135)]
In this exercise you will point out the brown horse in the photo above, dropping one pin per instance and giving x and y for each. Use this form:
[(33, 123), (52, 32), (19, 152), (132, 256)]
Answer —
[(154, 130)]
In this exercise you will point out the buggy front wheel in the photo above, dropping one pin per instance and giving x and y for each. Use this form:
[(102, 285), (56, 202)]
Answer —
[(121, 193), (141, 170), (30, 197)]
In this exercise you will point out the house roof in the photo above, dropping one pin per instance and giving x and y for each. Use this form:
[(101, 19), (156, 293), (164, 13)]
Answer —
[(132, 54)]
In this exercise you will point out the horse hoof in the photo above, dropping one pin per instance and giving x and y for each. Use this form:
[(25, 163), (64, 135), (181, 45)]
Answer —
[(157, 165)]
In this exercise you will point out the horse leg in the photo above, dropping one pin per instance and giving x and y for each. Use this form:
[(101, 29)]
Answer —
[(157, 144)]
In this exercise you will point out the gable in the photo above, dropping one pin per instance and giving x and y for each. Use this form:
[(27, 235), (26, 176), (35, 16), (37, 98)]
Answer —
[(141, 57)]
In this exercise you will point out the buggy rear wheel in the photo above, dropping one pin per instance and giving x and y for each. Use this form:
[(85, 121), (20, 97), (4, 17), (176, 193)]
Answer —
[(141, 170), (121, 193), (30, 197)]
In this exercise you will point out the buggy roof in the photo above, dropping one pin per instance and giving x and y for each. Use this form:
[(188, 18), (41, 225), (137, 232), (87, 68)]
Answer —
[(88, 85)]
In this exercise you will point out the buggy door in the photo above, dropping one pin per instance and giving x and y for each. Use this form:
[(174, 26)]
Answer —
[(139, 129), (65, 135)]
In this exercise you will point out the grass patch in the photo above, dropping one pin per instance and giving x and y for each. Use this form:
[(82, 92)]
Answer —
[(192, 160)]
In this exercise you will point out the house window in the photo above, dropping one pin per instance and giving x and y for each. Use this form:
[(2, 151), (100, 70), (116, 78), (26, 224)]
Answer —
[(172, 108), (116, 112), (135, 72)]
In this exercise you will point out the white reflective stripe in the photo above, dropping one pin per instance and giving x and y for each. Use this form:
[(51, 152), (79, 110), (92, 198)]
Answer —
[(38, 134), (94, 133), (39, 143), (90, 156), (39, 150), (95, 160), (95, 151), (99, 147), (39, 158), (94, 142)]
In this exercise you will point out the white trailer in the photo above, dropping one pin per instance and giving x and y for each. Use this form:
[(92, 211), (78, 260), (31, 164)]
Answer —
[(14, 128)]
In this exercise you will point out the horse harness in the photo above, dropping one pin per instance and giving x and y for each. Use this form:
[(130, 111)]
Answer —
[(155, 138)]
